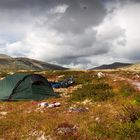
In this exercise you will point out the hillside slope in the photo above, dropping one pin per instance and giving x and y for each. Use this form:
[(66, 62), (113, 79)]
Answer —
[(134, 67), (20, 63), (4, 56)]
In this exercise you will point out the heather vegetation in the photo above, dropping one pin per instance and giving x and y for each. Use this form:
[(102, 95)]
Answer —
[(126, 89), (105, 108), (93, 91)]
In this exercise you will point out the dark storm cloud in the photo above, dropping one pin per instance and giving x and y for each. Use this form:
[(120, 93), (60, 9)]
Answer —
[(21, 4), (80, 15)]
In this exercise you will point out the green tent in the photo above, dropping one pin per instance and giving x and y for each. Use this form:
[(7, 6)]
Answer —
[(25, 87)]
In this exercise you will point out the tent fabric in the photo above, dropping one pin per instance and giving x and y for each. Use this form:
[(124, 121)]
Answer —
[(25, 87)]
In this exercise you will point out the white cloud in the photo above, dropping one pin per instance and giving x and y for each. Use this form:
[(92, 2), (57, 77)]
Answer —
[(121, 29), (59, 9)]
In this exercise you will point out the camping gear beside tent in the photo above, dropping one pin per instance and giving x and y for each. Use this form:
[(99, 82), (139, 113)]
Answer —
[(25, 87), (63, 84)]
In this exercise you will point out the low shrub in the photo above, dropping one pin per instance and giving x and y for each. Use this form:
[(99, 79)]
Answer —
[(83, 78), (127, 131), (96, 92), (126, 89), (137, 99), (99, 131)]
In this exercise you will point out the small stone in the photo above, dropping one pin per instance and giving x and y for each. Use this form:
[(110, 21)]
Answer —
[(3, 113), (100, 75), (86, 102), (78, 109), (99, 105), (97, 119)]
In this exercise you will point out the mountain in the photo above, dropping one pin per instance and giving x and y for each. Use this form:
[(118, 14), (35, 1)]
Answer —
[(112, 66), (21, 63)]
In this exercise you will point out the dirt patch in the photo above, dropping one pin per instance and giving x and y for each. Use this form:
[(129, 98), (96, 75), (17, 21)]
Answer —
[(116, 77)]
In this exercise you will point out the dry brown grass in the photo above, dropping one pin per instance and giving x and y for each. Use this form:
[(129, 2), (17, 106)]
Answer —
[(25, 121)]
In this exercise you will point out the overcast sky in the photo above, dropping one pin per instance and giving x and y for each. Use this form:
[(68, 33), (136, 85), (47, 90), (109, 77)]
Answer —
[(71, 33)]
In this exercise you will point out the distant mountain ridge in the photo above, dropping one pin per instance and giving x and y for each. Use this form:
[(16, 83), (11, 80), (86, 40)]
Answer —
[(21, 63), (112, 66)]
